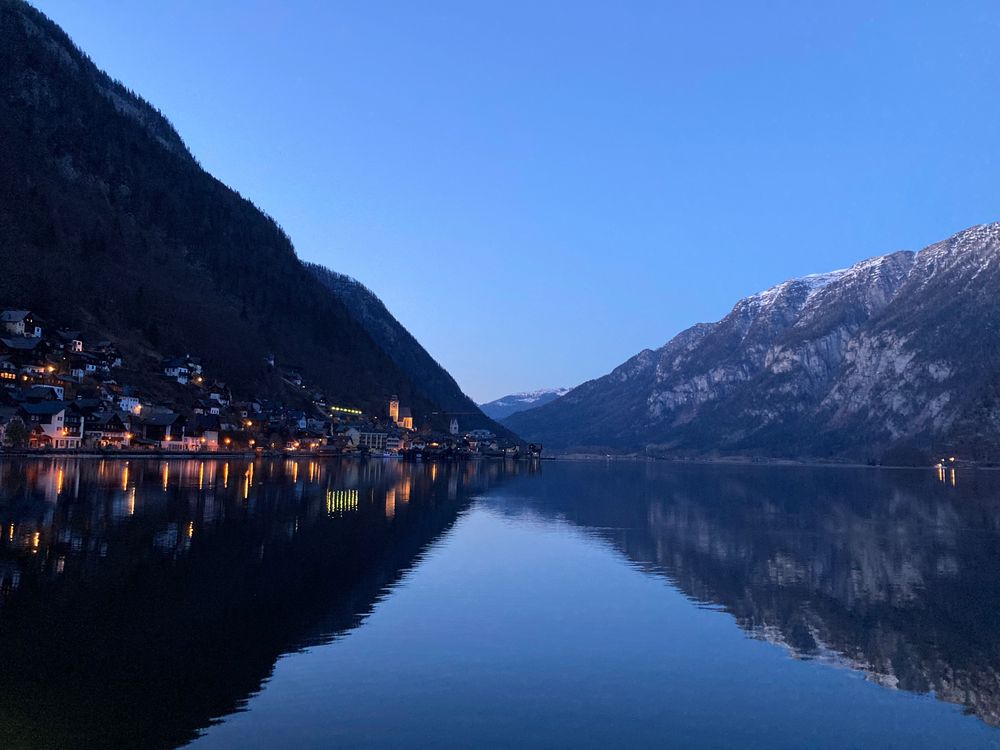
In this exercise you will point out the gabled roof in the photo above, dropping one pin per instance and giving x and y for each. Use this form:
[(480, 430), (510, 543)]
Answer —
[(13, 316), (103, 418), (40, 392), (159, 419), (44, 408)]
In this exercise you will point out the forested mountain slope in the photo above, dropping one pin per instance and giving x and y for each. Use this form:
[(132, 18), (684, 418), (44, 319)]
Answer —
[(107, 222)]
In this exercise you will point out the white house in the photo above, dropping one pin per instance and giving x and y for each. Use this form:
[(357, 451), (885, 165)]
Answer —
[(20, 323), (372, 439), (177, 368), (129, 404), (365, 436), (47, 422)]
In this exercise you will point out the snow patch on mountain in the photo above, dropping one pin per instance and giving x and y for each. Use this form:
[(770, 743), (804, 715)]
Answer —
[(530, 397), (812, 283), (891, 358), (516, 402)]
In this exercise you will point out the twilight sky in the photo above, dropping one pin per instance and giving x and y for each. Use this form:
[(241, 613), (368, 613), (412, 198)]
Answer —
[(538, 190)]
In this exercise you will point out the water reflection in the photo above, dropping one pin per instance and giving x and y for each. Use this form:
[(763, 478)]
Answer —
[(893, 573), (141, 599)]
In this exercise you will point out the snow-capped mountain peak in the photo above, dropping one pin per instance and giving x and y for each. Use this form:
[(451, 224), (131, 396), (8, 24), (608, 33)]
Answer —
[(511, 404), (892, 359)]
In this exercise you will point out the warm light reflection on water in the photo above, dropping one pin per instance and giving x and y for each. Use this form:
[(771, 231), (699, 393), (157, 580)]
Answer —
[(599, 603)]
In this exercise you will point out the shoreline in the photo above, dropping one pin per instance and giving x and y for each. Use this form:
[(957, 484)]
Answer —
[(232, 454), (124, 454), (571, 457), (757, 462)]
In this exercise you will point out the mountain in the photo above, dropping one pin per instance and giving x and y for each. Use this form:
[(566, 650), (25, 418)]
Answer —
[(400, 345), (502, 408), (109, 224), (893, 359)]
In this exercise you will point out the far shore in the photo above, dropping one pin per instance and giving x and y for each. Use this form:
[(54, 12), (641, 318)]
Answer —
[(619, 457), (760, 461)]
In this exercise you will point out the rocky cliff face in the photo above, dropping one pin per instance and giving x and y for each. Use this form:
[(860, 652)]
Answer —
[(894, 358)]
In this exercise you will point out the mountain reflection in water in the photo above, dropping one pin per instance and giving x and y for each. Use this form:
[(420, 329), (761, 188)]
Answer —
[(142, 599), (895, 573)]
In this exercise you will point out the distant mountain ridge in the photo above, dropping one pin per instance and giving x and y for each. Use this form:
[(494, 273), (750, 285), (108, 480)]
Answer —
[(503, 407), (893, 359)]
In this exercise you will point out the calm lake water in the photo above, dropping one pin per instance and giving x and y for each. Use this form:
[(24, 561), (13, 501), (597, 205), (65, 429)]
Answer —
[(279, 603)]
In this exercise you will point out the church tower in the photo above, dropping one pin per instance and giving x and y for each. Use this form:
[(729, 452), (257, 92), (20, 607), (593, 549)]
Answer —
[(394, 409)]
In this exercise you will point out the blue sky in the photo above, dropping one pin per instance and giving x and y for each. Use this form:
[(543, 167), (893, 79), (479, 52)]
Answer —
[(538, 190)]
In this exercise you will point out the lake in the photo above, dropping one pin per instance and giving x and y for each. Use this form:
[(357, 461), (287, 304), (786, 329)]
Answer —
[(317, 604)]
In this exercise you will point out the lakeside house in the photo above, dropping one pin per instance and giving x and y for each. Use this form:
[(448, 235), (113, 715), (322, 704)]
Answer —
[(48, 426), (62, 390), (158, 427), (368, 436), (107, 430)]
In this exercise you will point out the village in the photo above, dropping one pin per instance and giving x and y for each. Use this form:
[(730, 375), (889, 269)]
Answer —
[(60, 392)]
